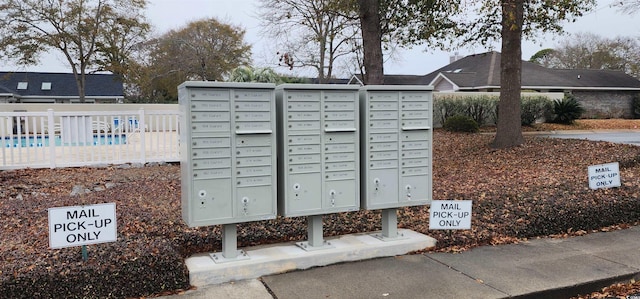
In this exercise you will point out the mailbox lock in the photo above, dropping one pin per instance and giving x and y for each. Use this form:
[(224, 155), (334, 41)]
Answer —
[(245, 200), (296, 186), (332, 194), (202, 193)]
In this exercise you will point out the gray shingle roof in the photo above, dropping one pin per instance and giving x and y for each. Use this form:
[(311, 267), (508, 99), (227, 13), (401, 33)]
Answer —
[(62, 84), (483, 71)]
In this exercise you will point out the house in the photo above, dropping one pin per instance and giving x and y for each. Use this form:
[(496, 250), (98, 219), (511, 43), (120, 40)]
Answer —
[(603, 93), (33, 87)]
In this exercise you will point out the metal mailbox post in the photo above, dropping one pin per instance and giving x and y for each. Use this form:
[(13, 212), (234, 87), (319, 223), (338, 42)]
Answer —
[(228, 156), (396, 149), (318, 153)]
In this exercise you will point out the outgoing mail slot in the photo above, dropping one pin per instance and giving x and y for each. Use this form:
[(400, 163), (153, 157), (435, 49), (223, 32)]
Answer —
[(383, 164), (384, 124), (253, 116), (339, 106), (340, 138), (253, 140), (296, 159), (340, 147), (211, 142), (210, 127), (212, 173), (386, 155), (253, 171), (211, 163), (210, 116), (253, 151), (304, 115), (304, 168), (304, 106), (204, 153), (339, 175), (254, 95), (333, 166), (305, 149), (254, 181), (253, 161), (210, 106), (304, 139), (383, 105), (252, 106), (333, 157), (304, 125)]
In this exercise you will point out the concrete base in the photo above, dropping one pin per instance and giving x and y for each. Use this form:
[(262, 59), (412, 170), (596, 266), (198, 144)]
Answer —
[(279, 258)]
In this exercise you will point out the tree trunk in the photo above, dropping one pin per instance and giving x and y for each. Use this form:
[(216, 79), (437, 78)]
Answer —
[(509, 128), (371, 41)]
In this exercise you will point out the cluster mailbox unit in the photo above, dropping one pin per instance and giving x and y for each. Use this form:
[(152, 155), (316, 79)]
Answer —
[(318, 153), (228, 150), (396, 149), (251, 151)]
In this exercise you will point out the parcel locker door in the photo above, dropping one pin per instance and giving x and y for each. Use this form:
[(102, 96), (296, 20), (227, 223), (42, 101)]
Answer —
[(211, 201)]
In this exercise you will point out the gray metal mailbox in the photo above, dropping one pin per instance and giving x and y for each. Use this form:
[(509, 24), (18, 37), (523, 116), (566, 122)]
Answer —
[(396, 146), (318, 149), (228, 152)]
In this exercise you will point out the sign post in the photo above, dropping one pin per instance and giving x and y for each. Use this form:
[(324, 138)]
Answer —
[(450, 214), (82, 225)]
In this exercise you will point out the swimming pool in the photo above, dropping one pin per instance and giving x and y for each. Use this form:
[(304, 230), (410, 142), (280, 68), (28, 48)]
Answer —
[(42, 141)]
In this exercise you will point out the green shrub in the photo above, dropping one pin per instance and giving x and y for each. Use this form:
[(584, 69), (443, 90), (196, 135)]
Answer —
[(461, 123), (567, 110), (534, 108), (480, 108), (446, 107)]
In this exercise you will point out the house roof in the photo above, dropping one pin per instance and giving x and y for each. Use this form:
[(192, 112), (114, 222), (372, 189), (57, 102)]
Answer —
[(481, 71), (61, 85)]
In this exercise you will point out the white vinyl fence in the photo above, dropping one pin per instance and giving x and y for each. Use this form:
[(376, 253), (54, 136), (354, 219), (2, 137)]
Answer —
[(82, 138)]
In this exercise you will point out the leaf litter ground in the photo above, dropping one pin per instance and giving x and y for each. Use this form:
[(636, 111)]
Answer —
[(538, 189)]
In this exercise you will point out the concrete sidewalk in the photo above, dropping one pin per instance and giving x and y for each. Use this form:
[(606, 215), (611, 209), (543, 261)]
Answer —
[(544, 268)]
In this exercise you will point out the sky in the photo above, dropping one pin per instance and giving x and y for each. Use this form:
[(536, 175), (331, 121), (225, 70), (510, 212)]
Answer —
[(165, 15)]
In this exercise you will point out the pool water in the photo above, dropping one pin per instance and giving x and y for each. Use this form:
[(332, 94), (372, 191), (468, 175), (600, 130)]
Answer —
[(39, 141)]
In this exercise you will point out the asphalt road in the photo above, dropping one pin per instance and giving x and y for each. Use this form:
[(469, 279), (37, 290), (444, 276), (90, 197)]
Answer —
[(627, 137)]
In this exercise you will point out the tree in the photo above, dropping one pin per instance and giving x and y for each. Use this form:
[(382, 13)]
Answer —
[(249, 74), (205, 50), (509, 21), (311, 33), (628, 6), (543, 57), (72, 27), (591, 51), (408, 23)]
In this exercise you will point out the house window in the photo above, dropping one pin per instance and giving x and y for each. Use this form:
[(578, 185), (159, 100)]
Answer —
[(23, 85), (46, 85)]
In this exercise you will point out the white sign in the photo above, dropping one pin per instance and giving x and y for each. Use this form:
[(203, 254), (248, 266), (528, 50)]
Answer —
[(82, 225), (604, 176), (450, 214)]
